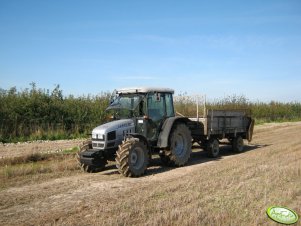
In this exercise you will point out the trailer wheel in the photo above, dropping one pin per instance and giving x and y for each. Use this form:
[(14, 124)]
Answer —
[(132, 158), (238, 144), (212, 148), (180, 147)]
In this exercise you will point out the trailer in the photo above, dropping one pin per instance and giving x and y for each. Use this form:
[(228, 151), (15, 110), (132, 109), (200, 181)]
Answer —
[(234, 125)]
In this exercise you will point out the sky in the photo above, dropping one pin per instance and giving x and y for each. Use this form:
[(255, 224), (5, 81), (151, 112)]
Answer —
[(212, 48)]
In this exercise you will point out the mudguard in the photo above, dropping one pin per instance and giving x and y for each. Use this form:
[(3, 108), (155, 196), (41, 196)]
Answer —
[(139, 136), (163, 138)]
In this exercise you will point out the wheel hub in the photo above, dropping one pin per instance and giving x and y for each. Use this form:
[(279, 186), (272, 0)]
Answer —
[(134, 158), (137, 158), (179, 145)]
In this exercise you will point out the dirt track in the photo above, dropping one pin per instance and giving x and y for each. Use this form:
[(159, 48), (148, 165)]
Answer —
[(166, 196)]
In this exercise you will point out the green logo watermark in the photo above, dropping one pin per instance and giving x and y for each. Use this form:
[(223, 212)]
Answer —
[(282, 215)]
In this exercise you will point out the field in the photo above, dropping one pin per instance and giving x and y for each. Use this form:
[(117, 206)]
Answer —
[(42, 185)]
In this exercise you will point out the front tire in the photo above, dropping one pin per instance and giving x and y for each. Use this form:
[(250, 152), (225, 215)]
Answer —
[(132, 158), (90, 163), (180, 147)]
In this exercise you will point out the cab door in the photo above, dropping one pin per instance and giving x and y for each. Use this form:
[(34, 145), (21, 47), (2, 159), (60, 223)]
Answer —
[(156, 113)]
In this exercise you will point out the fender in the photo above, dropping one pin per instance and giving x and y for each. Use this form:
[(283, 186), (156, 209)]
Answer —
[(139, 136), (163, 138)]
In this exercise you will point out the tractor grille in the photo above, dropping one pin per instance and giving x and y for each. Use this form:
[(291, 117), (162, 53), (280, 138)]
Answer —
[(98, 145), (112, 135)]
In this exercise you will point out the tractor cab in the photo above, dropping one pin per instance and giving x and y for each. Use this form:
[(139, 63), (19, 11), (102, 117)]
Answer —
[(148, 107)]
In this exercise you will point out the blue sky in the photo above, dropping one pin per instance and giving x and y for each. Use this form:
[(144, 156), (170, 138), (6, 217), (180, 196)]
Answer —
[(216, 48)]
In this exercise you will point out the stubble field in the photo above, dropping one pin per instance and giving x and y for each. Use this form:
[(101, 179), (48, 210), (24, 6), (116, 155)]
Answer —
[(41, 184)]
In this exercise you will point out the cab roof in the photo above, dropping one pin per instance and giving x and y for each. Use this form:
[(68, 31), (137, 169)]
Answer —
[(145, 90)]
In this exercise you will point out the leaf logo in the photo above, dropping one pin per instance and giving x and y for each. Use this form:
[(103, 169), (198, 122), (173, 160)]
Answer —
[(282, 215)]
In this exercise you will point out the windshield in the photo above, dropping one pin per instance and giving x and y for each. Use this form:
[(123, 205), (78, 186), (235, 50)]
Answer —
[(127, 106), (129, 102)]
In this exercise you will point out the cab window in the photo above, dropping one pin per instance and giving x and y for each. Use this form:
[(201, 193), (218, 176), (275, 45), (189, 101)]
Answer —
[(169, 105), (156, 108)]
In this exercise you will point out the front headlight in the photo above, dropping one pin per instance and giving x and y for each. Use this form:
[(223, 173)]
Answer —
[(97, 136), (100, 136)]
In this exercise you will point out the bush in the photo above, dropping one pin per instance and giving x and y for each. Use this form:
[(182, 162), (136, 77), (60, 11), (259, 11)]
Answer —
[(34, 114), (262, 112)]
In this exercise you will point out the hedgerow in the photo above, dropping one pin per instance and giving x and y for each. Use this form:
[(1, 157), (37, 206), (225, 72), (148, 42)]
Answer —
[(39, 114)]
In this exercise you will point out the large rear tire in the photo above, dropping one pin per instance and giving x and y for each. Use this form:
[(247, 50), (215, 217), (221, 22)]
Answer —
[(179, 150), (132, 158)]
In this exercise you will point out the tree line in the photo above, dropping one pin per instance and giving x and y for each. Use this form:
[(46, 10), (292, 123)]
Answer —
[(273, 111), (35, 113)]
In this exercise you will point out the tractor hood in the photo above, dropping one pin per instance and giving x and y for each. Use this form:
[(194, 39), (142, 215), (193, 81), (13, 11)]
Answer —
[(119, 126)]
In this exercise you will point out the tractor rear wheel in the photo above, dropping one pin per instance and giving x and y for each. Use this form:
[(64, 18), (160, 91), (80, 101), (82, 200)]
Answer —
[(180, 147), (132, 157)]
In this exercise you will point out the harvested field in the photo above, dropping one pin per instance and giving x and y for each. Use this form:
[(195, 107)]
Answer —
[(235, 189)]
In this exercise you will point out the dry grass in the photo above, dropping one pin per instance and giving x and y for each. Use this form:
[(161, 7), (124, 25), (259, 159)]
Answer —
[(232, 190), (37, 167)]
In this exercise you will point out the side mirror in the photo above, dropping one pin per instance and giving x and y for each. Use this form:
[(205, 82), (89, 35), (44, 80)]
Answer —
[(113, 96)]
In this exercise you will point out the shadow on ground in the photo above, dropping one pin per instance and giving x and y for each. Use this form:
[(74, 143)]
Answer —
[(198, 156)]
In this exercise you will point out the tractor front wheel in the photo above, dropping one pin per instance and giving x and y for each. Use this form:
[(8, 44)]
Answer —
[(88, 160), (132, 157)]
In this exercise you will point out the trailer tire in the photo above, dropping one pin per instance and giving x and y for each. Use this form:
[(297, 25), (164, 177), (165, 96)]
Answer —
[(238, 144), (212, 148), (132, 158), (180, 147)]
